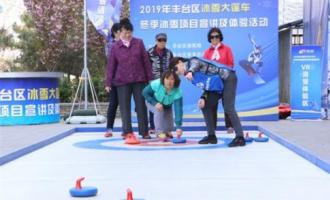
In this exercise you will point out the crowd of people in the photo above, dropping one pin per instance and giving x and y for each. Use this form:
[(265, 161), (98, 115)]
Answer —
[(152, 78)]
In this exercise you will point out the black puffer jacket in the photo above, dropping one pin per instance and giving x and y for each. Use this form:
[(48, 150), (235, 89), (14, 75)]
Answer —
[(159, 64)]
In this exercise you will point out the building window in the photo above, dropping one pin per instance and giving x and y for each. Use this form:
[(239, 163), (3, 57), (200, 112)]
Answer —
[(297, 36)]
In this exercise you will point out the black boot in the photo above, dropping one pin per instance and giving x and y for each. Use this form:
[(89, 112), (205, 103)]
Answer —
[(210, 139), (237, 141)]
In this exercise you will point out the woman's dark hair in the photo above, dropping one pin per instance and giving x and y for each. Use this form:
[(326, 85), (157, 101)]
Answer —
[(126, 24), (214, 30), (174, 61), (169, 73), (115, 27)]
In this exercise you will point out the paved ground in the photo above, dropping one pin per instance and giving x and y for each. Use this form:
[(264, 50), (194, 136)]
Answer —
[(313, 136)]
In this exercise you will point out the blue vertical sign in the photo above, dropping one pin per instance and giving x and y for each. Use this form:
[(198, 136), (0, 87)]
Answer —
[(306, 82), (250, 28)]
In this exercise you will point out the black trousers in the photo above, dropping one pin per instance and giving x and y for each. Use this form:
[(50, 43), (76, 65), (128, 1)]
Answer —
[(125, 93), (151, 120), (112, 108), (228, 102), (210, 111)]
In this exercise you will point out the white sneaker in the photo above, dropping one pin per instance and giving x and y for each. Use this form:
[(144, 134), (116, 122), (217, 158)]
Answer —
[(230, 130)]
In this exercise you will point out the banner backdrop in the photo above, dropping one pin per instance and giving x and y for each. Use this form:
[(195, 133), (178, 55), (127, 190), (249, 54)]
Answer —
[(306, 82), (249, 28), (103, 14)]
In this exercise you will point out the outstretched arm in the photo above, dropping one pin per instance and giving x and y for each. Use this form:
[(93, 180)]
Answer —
[(148, 94), (194, 65), (178, 110)]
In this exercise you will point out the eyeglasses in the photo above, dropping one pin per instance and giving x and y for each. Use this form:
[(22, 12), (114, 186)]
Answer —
[(161, 40), (215, 36)]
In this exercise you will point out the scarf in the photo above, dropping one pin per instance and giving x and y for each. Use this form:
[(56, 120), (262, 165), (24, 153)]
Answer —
[(216, 55), (125, 42)]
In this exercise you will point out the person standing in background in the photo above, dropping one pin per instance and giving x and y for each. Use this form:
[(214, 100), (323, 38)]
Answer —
[(113, 96), (129, 69), (222, 54), (160, 58)]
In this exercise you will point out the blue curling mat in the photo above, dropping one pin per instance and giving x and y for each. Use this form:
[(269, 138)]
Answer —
[(105, 144), (149, 169)]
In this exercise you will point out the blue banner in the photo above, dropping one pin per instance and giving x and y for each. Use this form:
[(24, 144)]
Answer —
[(103, 14), (249, 28), (29, 101), (306, 82)]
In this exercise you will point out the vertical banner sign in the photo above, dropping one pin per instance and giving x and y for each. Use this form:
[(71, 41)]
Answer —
[(306, 82), (29, 101), (249, 28), (103, 14)]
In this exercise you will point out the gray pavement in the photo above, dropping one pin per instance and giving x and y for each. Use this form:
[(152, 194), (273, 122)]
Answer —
[(313, 136)]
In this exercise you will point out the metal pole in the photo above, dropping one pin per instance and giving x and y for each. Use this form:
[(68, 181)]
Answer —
[(85, 55)]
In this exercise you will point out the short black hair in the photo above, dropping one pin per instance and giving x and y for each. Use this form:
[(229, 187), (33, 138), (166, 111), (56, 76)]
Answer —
[(126, 24), (174, 61), (214, 30), (169, 73), (115, 27)]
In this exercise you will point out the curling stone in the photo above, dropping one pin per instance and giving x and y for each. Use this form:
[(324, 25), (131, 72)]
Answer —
[(79, 191), (248, 138), (129, 194), (179, 140), (260, 138)]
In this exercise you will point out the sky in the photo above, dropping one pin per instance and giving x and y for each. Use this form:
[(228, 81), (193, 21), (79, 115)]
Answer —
[(10, 11)]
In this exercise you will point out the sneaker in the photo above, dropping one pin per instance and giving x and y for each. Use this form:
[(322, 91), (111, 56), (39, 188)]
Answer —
[(230, 130), (237, 141), (211, 139), (108, 134), (131, 139), (161, 135), (146, 136), (152, 131), (123, 135), (169, 135)]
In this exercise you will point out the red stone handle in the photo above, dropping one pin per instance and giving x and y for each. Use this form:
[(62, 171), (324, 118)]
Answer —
[(78, 182)]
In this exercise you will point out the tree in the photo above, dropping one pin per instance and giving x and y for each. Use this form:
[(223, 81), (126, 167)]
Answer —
[(29, 44), (59, 27), (6, 39), (6, 42), (125, 10), (51, 39)]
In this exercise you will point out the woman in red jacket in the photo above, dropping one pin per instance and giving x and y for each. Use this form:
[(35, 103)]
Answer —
[(222, 53)]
